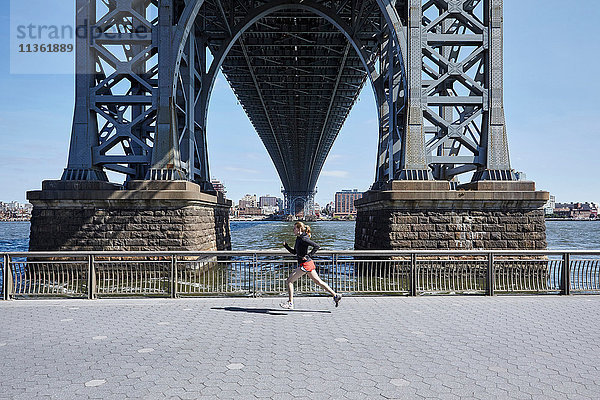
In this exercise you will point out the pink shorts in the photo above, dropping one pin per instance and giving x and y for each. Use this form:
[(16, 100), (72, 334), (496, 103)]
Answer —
[(307, 266)]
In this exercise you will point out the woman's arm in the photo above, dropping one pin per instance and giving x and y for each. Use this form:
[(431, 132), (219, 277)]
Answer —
[(293, 251)]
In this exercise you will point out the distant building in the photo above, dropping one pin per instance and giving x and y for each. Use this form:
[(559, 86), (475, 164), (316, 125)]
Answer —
[(249, 211), (317, 210), (218, 185), (550, 206), (344, 202), (269, 210), (329, 209), (248, 201), (267, 201), (270, 204), (14, 211), (576, 210)]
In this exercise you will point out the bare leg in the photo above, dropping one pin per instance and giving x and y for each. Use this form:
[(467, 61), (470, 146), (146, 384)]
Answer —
[(315, 277), (294, 276)]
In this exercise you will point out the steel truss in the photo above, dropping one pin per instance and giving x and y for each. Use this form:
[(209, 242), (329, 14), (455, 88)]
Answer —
[(144, 81), (462, 88), (117, 74), (305, 200)]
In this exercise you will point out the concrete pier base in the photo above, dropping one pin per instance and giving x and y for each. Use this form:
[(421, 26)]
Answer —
[(428, 215), (146, 216)]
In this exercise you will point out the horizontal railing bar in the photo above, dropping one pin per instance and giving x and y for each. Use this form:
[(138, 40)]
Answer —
[(30, 262), (322, 253), (130, 261)]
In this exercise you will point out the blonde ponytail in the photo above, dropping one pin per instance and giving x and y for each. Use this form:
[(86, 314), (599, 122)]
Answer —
[(303, 228)]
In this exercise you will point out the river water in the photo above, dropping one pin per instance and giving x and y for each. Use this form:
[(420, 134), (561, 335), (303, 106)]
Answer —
[(331, 235)]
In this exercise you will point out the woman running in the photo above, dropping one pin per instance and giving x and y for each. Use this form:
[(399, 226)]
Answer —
[(305, 264)]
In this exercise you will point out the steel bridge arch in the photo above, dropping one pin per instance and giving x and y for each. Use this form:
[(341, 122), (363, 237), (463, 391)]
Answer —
[(192, 9), (190, 13), (264, 11), (440, 69)]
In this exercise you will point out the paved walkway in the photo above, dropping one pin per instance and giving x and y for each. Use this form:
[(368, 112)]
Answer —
[(540, 347)]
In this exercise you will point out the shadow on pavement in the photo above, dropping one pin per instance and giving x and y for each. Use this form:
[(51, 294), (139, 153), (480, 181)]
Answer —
[(270, 311)]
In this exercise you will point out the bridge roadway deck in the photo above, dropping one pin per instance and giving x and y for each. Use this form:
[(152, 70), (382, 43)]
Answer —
[(540, 347)]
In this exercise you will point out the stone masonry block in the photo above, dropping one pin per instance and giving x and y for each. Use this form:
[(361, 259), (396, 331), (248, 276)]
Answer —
[(494, 228), (422, 228), (440, 219), (110, 226), (513, 236), (402, 228)]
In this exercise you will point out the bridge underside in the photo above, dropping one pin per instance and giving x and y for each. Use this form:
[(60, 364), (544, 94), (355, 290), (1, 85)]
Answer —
[(297, 77), (297, 66), (144, 83)]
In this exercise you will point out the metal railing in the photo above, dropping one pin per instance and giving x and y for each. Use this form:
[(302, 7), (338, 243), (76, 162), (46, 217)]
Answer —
[(247, 273)]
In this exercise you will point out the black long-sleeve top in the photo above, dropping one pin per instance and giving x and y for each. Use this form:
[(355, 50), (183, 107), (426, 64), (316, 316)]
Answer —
[(301, 248)]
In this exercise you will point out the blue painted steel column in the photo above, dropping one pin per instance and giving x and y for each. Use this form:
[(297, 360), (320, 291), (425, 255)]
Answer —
[(495, 140), (165, 154), (413, 164), (84, 134)]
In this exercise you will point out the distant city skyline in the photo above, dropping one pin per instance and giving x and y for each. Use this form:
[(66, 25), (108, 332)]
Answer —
[(550, 104)]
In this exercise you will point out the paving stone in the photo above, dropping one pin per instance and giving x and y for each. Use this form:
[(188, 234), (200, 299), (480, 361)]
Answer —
[(145, 350), (95, 382), (371, 347)]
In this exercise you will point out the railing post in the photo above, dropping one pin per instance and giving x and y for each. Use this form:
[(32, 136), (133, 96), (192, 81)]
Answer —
[(413, 275), (173, 288), (91, 278), (490, 275), (7, 278), (565, 281), (253, 271), (334, 269)]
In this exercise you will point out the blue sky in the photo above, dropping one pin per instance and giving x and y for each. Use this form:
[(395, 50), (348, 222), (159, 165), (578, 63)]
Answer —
[(551, 103)]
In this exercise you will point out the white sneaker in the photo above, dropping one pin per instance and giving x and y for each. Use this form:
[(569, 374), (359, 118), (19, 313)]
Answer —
[(288, 305), (336, 299)]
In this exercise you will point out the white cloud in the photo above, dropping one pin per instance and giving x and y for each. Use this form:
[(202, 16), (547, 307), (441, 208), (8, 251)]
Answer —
[(336, 174), (371, 121), (335, 157), (251, 180), (241, 170), (254, 156)]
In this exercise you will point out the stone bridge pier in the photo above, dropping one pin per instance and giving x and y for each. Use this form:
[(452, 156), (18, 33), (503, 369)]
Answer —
[(143, 216), (429, 215), (453, 124)]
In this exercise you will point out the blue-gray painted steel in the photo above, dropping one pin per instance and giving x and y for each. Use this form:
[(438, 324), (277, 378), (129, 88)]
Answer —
[(144, 84)]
